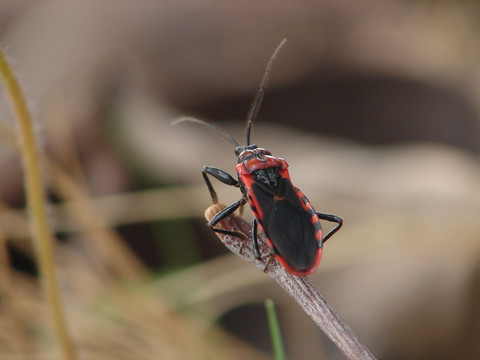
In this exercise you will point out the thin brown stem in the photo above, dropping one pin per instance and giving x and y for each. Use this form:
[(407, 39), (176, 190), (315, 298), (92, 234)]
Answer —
[(298, 287)]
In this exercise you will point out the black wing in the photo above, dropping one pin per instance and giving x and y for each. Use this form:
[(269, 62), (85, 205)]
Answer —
[(287, 224)]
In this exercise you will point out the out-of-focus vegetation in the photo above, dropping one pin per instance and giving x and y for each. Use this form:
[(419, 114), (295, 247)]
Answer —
[(374, 105)]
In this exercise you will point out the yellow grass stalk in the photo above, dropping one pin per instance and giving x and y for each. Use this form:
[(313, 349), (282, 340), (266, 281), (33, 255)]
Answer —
[(39, 227)]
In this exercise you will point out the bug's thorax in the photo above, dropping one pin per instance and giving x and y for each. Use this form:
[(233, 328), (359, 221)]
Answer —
[(260, 165)]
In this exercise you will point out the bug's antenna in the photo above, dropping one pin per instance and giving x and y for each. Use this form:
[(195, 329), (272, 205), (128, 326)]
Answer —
[(208, 125), (257, 102)]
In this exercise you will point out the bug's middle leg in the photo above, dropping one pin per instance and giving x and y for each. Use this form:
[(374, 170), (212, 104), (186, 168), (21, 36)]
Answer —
[(256, 249)]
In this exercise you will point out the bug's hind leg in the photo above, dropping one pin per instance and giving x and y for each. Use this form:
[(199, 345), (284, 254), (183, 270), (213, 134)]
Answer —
[(331, 218)]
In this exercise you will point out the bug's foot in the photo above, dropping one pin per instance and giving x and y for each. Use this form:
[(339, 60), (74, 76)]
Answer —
[(270, 255), (242, 247)]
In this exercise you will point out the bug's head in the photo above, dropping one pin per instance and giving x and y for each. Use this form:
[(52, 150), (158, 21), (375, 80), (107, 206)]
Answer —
[(260, 162), (252, 152), (239, 150)]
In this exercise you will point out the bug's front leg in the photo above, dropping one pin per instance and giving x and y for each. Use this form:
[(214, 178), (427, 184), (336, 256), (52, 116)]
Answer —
[(331, 218), (221, 175), (229, 210)]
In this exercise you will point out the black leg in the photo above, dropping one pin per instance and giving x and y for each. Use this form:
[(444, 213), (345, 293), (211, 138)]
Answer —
[(219, 174), (270, 256), (229, 210), (256, 249), (231, 233), (332, 218)]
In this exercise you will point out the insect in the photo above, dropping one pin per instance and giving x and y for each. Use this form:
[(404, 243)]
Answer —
[(291, 226)]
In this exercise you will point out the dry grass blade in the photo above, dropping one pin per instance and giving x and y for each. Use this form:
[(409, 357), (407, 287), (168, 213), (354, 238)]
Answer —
[(298, 287), (40, 229), (83, 209)]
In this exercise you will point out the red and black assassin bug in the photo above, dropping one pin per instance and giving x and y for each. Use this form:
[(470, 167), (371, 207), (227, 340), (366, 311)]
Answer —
[(290, 224)]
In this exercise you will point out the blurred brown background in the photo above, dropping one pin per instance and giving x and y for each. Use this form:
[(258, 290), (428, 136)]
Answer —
[(375, 106)]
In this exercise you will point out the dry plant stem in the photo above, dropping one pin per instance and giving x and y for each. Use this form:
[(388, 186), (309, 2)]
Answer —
[(298, 287), (39, 226)]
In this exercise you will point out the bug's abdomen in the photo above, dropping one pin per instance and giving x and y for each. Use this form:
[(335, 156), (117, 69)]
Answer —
[(293, 236), (290, 225)]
